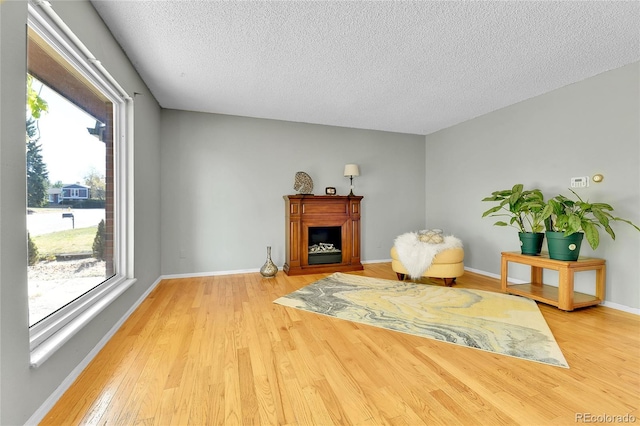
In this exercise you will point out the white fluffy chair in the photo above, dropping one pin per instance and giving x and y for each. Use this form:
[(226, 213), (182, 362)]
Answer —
[(447, 264)]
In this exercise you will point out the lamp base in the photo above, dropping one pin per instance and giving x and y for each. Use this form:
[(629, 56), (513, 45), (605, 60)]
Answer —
[(351, 194)]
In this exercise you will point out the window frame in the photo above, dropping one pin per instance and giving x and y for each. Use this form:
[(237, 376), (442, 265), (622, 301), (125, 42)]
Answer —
[(52, 332)]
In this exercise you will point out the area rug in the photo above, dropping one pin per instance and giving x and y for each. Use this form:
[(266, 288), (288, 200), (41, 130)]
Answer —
[(494, 322)]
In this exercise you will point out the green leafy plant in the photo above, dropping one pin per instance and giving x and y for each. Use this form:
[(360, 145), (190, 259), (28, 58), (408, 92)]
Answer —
[(525, 209), (34, 256), (35, 104), (571, 216), (98, 242)]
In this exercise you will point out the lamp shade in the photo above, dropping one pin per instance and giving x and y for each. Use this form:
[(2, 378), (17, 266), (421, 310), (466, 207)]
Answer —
[(351, 170)]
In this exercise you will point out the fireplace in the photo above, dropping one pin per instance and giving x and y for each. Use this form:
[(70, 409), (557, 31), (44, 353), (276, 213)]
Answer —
[(322, 234), (325, 245)]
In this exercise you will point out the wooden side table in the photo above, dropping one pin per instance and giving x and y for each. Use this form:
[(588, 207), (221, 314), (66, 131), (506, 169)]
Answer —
[(563, 296)]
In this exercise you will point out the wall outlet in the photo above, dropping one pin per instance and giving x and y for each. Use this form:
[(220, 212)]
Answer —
[(182, 253)]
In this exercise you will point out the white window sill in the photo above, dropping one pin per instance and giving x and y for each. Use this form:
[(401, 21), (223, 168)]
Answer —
[(48, 347)]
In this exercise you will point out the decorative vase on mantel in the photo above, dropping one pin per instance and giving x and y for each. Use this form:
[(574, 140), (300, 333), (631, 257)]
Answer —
[(269, 269)]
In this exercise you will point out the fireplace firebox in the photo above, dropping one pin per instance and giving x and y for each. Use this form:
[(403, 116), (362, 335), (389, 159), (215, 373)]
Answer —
[(325, 243), (322, 234)]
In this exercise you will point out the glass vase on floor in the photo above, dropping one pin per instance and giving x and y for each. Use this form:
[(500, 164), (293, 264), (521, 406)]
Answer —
[(269, 269)]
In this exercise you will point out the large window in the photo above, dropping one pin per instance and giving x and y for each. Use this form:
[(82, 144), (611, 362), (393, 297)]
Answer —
[(78, 184), (71, 246)]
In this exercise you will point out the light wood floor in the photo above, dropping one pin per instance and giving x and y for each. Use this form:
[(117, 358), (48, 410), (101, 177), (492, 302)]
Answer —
[(216, 350)]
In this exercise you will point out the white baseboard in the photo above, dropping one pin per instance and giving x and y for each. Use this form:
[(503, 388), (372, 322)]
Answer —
[(239, 271), (235, 272), (492, 275), (364, 262), (478, 271), (620, 307), (209, 274), (48, 404)]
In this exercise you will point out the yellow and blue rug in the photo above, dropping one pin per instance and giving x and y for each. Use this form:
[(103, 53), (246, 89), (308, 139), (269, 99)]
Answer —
[(494, 322)]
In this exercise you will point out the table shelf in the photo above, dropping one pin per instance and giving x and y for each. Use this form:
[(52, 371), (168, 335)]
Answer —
[(549, 294), (563, 296)]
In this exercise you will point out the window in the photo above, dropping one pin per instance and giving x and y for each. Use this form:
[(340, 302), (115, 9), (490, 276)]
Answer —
[(71, 249), (74, 81)]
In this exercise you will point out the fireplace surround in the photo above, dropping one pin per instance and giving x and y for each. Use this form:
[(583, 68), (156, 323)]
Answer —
[(322, 234)]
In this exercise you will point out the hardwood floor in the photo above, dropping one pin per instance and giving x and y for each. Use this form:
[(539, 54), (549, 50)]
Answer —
[(216, 350)]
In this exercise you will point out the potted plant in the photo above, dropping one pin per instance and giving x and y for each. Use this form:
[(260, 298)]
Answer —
[(526, 211), (571, 220)]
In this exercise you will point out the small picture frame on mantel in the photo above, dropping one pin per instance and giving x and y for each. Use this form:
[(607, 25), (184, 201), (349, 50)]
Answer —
[(330, 190)]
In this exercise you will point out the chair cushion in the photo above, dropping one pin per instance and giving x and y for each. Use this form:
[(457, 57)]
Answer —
[(446, 264), (454, 255)]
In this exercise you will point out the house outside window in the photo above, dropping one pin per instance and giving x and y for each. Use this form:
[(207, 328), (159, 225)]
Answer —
[(75, 191)]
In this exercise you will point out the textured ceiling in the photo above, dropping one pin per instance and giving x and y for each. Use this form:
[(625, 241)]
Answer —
[(411, 67)]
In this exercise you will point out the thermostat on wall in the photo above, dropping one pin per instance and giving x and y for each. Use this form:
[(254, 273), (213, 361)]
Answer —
[(580, 182)]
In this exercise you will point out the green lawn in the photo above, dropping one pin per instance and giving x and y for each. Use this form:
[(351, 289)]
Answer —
[(70, 241)]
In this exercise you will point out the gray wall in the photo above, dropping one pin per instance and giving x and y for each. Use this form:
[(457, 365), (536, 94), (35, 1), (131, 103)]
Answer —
[(224, 178), (579, 130), (218, 201), (23, 389)]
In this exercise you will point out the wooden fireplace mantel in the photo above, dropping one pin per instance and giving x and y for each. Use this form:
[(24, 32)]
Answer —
[(305, 211)]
